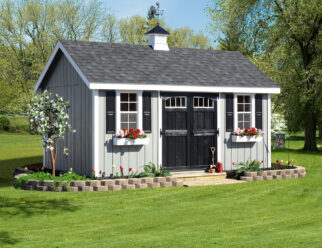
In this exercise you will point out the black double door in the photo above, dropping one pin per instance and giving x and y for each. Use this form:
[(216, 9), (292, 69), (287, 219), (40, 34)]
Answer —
[(189, 130)]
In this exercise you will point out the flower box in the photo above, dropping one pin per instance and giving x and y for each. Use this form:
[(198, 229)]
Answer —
[(130, 142), (237, 138)]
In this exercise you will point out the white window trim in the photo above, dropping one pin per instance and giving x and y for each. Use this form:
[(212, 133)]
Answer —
[(212, 99), (175, 107), (118, 110), (252, 108)]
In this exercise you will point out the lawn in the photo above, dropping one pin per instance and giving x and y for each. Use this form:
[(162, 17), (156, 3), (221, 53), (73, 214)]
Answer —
[(280, 213)]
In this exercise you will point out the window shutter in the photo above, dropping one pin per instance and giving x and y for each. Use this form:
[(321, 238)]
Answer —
[(229, 112), (147, 112), (110, 111), (258, 112)]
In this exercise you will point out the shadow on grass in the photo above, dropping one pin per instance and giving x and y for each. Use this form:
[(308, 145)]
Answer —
[(8, 166), (10, 207), (6, 239)]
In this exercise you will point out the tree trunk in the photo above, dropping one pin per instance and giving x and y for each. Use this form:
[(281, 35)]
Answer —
[(310, 129), (53, 158)]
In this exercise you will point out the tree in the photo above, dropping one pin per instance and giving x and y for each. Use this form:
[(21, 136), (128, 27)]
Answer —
[(286, 39), (28, 32), (185, 38), (48, 114), (151, 13), (110, 29)]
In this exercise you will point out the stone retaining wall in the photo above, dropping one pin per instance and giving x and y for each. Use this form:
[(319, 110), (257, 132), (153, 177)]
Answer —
[(99, 185), (298, 171)]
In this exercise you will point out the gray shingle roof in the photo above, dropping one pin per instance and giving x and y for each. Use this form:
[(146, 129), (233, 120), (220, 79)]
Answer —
[(135, 64)]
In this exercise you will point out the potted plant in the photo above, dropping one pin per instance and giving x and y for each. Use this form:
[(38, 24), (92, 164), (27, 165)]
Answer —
[(248, 135)]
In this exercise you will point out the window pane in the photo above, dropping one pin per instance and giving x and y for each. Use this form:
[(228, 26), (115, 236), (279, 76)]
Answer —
[(200, 101), (132, 106), (178, 102), (247, 107), (124, 125), (240, 107), (240, 125), (183, 102), (240, 99), (247, 99), (124, 97), (132, 97), (132, 125), (167, 102), (132, 117), (210, 102), (124, 117), (247, 117), (173, 102), (124, 107), (195, 102), (206, 102), (246, 124), (240, 117)]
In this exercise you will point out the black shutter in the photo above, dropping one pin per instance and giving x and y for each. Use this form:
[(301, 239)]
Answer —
[(258, 112), (147, 112), (110, 111), (229, 112)]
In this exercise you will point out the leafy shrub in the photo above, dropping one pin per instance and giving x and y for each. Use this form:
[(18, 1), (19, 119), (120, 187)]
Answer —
[(252, 165), (47, 176), (4, 123), (152, 170)]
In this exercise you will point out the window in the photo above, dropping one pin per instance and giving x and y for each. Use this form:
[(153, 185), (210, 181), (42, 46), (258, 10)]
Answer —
[(175, 102), (202, 102), (128, 110), (244, 111)]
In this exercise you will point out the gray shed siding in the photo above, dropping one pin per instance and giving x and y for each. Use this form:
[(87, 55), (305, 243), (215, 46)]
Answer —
[(128, 156), (62, 79), (241, 152)]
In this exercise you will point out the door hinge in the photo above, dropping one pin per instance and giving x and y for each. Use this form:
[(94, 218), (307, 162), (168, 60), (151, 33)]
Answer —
[(161, 132), (217, 131)]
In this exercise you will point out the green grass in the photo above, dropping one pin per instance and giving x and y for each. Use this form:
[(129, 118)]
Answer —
[(281, 213), (18, 124)]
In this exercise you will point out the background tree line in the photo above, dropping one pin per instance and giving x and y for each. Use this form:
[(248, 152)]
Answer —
[(30, 29), (283, 38)]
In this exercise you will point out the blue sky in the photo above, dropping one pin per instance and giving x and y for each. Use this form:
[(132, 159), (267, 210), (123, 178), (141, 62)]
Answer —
[(177, 13)]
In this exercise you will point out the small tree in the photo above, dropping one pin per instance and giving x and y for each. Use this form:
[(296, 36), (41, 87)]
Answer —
[(48, 114)]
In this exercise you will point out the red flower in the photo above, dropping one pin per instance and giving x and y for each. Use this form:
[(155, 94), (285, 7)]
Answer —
[(131, 130), (100, 171), (233, 163), (125, 129), (134, 136), (137, 130), (93, 170), (37, 169), (262, 161), (130, 169), (121, 168)]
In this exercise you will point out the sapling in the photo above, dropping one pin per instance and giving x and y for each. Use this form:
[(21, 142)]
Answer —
[(47, 112)]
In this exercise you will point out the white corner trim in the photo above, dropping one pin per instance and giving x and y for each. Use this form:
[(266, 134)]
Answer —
[(269, 159), (183, 88), (59, 46), (159, 129), (95, 130), (221, 130), (235, 112)]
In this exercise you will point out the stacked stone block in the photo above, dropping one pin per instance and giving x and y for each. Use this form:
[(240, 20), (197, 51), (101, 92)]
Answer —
[(274, 174)]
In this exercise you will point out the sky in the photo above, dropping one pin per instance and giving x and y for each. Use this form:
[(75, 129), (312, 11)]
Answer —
[(177, 13)]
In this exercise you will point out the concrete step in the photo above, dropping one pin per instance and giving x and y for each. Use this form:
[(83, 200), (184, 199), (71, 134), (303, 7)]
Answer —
[(194, 183), (198, 176)]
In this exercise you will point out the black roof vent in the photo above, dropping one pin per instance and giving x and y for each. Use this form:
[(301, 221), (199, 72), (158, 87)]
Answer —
[(158, 30)]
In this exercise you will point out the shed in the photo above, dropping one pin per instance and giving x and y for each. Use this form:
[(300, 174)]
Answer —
[(185, 100)]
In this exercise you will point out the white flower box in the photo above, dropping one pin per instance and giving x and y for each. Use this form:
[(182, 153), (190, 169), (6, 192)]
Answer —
[(237, 138), (130, 142)]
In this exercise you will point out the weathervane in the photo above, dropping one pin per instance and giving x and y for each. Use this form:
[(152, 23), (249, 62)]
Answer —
[(158, 12)]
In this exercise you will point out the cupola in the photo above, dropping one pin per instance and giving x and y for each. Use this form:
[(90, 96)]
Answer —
[(157, 38)]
